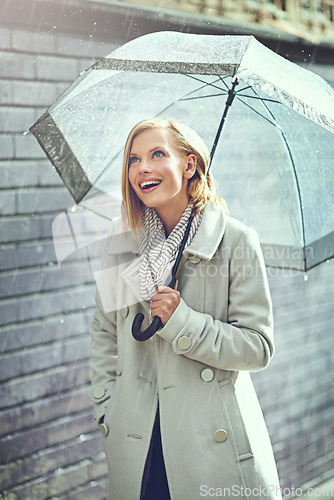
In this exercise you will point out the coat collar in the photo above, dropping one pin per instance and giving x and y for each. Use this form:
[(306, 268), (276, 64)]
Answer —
[(210, 232), (204, 244)]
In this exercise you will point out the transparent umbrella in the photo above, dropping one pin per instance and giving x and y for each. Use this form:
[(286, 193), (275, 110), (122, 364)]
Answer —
[(274, 162)]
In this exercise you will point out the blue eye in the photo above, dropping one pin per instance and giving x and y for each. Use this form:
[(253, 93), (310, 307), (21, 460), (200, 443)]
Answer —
[(133, 159), (158, 153)]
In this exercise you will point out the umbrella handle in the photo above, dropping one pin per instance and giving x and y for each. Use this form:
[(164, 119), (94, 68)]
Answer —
[(153, 327)]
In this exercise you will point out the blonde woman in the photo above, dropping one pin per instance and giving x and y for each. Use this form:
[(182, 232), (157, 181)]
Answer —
[(179, 415)]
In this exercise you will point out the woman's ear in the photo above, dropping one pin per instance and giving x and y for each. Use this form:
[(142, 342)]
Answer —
[(190, 166)]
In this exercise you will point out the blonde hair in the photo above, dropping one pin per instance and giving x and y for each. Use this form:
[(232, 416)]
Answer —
[(201, 188)]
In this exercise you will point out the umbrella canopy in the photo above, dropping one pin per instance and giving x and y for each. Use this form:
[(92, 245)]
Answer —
[(274, 162)]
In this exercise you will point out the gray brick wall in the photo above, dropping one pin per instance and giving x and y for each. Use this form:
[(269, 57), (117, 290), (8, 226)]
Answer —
[(296, 390), (50, 447)]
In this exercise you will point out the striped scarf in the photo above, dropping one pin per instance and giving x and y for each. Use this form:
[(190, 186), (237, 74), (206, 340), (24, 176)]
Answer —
[(159, 253)]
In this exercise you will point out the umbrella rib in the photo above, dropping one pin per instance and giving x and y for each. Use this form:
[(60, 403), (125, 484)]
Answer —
[(245, 88), (202, 96), (222, 79), (264, 99), (199, 88), (206, 84), (257, 112)]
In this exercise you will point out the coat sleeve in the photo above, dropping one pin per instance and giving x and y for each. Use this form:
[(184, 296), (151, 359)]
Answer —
[(245, 341), (103, 358)]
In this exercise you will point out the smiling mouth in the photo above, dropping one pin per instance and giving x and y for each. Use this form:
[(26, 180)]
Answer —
[(145, 185)]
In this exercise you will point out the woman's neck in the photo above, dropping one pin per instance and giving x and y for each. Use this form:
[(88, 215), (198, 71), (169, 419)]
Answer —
[(170, 216)]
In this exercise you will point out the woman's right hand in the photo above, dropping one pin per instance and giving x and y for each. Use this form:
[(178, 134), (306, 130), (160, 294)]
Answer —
[(164, 302)]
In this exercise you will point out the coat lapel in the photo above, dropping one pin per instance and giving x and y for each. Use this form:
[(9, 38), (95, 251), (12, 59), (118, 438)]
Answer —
[(210, 233)]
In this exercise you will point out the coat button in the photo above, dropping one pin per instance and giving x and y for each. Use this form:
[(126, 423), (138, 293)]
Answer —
[(184, 343), (195, 259), (104, 429), (98, 392), (207, 374), (119, 368), (220, 435), (125, 311)]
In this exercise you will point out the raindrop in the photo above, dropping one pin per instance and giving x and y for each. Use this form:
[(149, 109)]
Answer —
[(93, 483), (83, 437), (305, 277), (61, 321), (73, 209), (26, 132), (83, 307)]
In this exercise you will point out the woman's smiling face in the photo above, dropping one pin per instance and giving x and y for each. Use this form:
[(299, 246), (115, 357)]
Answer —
[(158, 172)]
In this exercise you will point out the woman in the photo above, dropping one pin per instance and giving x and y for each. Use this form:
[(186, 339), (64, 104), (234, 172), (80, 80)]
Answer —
[(178, 413)]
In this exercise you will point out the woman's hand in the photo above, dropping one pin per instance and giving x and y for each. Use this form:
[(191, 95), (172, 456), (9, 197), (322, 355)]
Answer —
[(164, 302)]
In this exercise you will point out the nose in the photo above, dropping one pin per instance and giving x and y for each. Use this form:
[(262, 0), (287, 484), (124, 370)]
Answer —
[(144, 167)]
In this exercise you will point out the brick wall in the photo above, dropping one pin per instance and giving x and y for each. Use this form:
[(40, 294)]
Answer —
[(296, 390), (50, 447)]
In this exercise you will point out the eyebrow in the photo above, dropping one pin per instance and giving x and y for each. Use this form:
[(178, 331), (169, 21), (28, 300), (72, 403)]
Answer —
[(151, 150)]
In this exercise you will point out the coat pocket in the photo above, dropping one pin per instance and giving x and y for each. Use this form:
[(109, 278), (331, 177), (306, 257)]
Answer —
[(238, 427)]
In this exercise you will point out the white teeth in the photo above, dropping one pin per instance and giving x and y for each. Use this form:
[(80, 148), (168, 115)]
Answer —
[(147, 183)]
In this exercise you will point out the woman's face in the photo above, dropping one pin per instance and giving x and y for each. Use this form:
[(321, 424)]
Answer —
[(158, 173)]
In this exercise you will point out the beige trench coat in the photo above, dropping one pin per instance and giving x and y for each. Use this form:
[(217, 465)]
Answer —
[(214, 437)]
